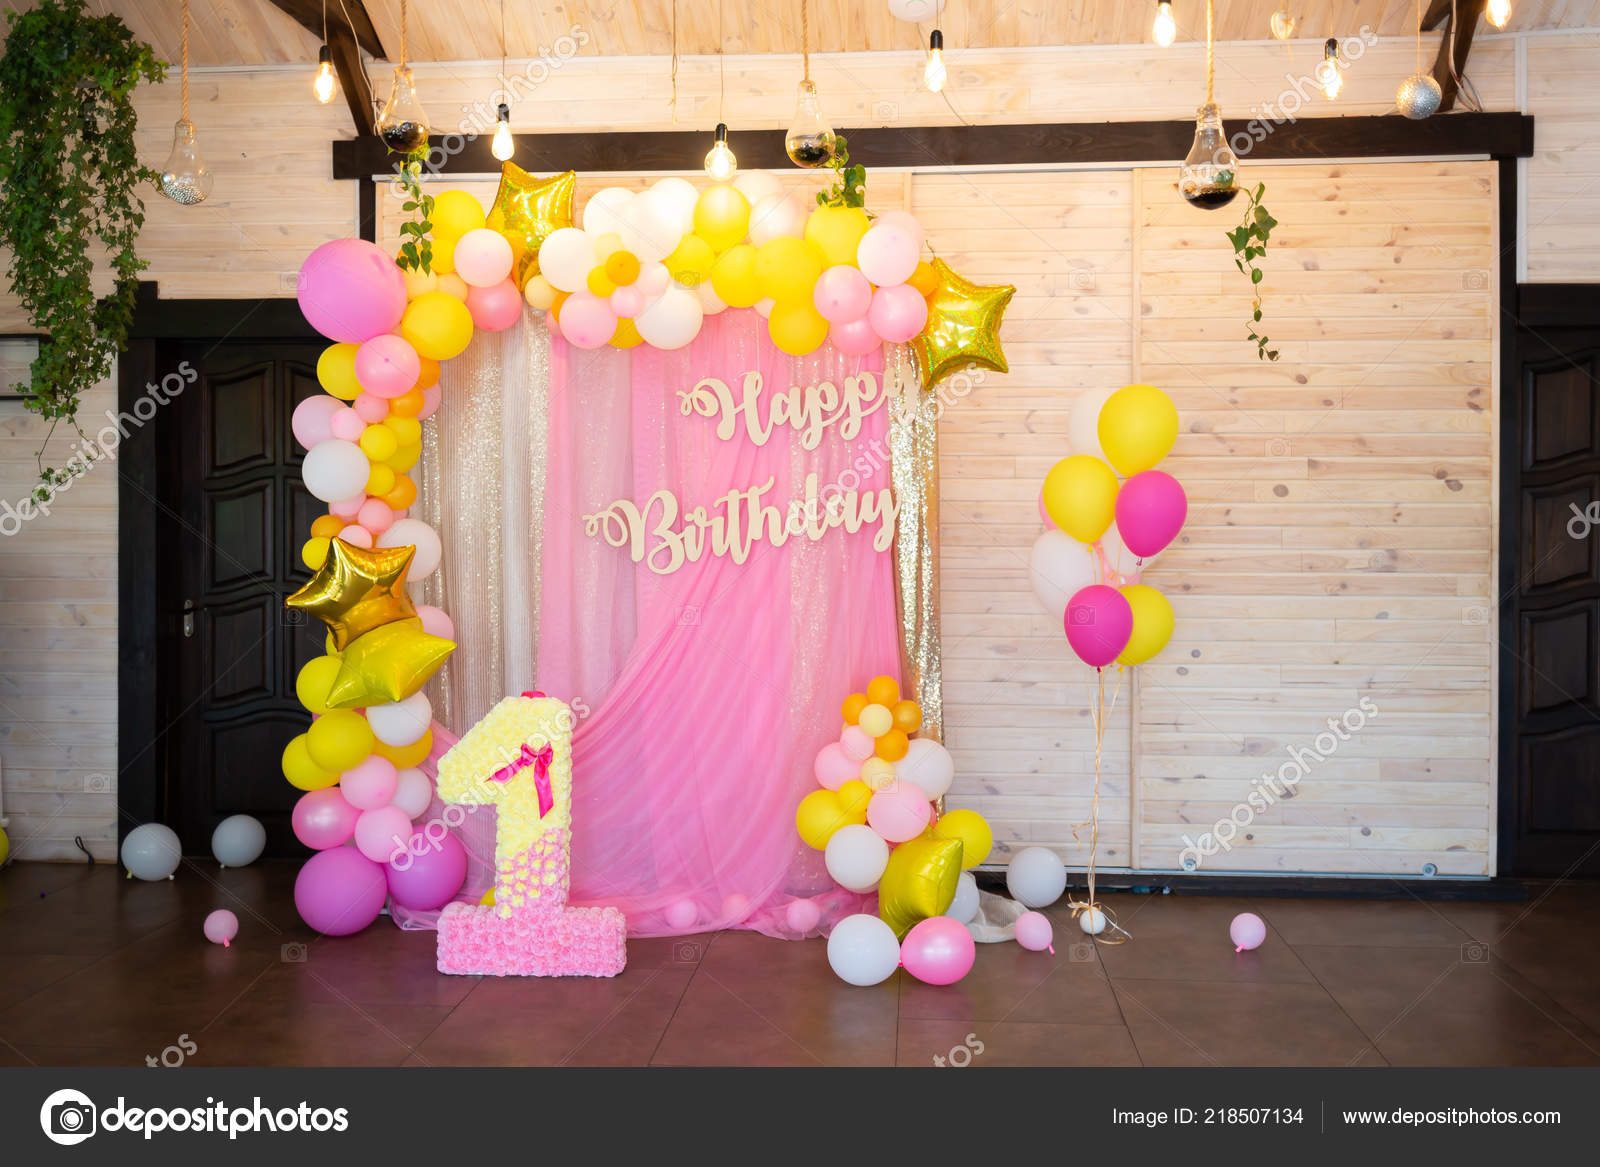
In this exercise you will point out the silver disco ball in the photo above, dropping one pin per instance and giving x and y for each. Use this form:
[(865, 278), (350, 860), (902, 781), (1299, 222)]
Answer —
[(1418, 96)]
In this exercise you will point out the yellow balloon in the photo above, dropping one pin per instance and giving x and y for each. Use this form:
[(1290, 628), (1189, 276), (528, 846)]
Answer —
[(301, 771), (314, 551), (454, 286), (420, 283), (380, 481), (969, 826), (336, 371), (733, 277), (437, 325), (443, 262), (538, 293), (5, 847), (339, 740), (407, 431), (327, 525), (378, 442), (797, 327), (487, 899), (622, 267), (853, 797), (1152, 624), (877, 773), (315, 679), (455, 212), (607, 245), (405, 757), (786, 270), (919, 882), (599, 283), (626, 335), (820, 814), (405, 457), (1080, 493), (722, 216), (838, 231), (691, 262), (1137, 427), (875, 720)]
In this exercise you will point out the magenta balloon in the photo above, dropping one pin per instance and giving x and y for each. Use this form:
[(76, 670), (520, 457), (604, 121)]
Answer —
[(938, 951), (1151, 508), (387, 366), (430, 873), (339, 892), (496, 307), (898, 313), (841, 294), (324, 818), (854, 338), (313, 419), (351, 290), (1098, 622)]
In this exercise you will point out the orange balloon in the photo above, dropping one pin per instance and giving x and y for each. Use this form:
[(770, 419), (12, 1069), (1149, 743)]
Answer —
[(892, 746), (326, 526), (853, 705), (883, 691), (428, 378), (925, 279), (408, 404), (907, 716), (403, 494)]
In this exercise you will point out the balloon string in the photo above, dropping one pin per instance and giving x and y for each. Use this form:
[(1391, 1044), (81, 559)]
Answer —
[(1100, 713)]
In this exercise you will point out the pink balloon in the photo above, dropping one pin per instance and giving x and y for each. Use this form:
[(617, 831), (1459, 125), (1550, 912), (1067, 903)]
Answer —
[(856, 742), (834, 767), (429, 873), (435, 622), (887, 255), (842, 293), (802, 915), (221, 926), (357, 536), (627, 301), (681, 915), (338, 892), (1034, 932), (587, 321), (902, 221), (1098, 622), (347, 425), (1044, 513), (313, 419), (1247, 931), (938, 951), (370, 784), (382, 831), (496, 307), (348, 508), (899, 811), (324, 818), (1151, 508), (370, 408), (387, 366), (898, 312), (431, 397), (351, 290), (483, 258), (854, 338), (375, 515)]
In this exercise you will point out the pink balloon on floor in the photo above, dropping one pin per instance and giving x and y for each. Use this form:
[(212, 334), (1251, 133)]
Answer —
[(375, 515), (387, 366), (854, 338), (856, 743), (370, 785), (1034, 932), (841, 293), (681, 915), (351, 290), (313, 419), (370, 408), (430, 872), (221, 926), (1098, 623), (1247, 931), (899, 811), (833, 767), (382, 831), (1151, 508), (436, 621), (357, 536), (497, 307), (898, 313), (938, 951), (324, 818), (338, 892), (802, 915), (346, 424)]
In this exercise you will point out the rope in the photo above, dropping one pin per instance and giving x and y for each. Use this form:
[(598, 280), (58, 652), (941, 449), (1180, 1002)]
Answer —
[(1419, 36), (185, 60), (402, 34), (673, 104), (1211, 60), (722, 66), (805, 38)]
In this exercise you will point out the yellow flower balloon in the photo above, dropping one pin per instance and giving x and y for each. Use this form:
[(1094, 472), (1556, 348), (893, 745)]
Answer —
[(919, 882), (970, 827), (1080, 494), (387, 664), (1152, 624), (530, 209), (1137, 427), (963, 327), (356, 590)]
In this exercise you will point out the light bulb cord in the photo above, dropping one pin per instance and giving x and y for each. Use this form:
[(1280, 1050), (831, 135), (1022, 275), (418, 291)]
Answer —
[(1419, 36), (1211, 58), (402, 34), (805, 38), (185, 50)]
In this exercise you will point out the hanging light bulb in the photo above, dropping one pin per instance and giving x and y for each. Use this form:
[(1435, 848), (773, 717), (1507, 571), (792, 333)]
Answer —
[(810, 141), (1209, 176), (1499, 12), (720, 162), (185, 177), (403, 125), (934, 74), (502, 147), (324, 83), (1165, 29), (1282, 24), (1329, 75)]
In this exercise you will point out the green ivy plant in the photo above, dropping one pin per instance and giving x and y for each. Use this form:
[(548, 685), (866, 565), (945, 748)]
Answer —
[(1249, 241), (416, 252), (849, 187), (68, 172)]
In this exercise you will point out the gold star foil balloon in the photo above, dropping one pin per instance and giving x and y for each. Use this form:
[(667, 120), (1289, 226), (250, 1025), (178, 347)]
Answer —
[(963, 327), (387, 664), (919, 882), (527, 209), (356, 590)]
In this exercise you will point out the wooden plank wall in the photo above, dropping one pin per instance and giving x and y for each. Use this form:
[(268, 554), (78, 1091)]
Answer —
[(1563, 176)]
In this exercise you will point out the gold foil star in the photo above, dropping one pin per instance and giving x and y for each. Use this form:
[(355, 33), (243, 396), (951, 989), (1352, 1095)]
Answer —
[(963, 327), (527, 210), (356, 590), (387, 664)]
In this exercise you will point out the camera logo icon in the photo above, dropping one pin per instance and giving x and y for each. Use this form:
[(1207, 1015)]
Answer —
[(67, 1117)]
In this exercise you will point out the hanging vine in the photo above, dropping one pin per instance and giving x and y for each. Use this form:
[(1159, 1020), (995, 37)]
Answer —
[(1249, 241), (68, 172)]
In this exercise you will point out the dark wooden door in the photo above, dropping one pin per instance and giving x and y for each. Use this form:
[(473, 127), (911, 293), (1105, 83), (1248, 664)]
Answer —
[(1550, 807), (241, 515)]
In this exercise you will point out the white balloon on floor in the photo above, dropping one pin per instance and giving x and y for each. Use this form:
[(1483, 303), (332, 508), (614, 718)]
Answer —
[(965, 906), (862, 950), (1036, 877), (151, 851), (238, 840)]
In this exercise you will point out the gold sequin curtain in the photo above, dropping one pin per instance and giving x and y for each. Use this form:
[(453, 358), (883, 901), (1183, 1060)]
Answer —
[(914, 474)]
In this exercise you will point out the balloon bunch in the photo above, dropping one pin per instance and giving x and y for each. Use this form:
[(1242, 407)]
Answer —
[(649, 266), (874, 821)]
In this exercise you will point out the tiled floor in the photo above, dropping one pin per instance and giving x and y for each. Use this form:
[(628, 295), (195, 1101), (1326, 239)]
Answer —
[(98, 970)]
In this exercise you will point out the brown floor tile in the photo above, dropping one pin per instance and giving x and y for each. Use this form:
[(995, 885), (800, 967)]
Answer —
[(1012, 1043), (379, 966), (1009, 983), (23, 976), (263, 1032), (1186, 938), (1365, 923)]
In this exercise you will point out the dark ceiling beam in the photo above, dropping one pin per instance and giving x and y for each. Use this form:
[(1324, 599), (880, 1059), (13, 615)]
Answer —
[(308, 15), (1456, 43), (350, 31)]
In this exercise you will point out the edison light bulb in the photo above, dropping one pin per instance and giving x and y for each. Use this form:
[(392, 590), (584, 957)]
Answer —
[(1166, 29), (810, 141), (1209, 176), (185, 178), (323, 85), (1499, 12), (502, 147), (403, 125), (720, 162), (1328, 73), (1281, 24), (934, 74)]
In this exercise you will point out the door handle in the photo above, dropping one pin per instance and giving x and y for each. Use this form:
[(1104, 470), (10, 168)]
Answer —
[(188, 618)]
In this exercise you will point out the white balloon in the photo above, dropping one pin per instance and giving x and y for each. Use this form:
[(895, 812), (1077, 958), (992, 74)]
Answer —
[(856, 856), (1118, 558), (862, 950), (680, 195), (928, 766), (904, 221), (1083, 427), (238, 840), (151, 851), (650, 228), (400, 723), (566, 258), (335, 470), (1093, 922), (756, 185), (1058, 567), (606, 210), (672, 321), (653, 279), (1035, 877), (915, 11), (416, 533), (413, 793), (776, 216), (965, 905), (710, 302)]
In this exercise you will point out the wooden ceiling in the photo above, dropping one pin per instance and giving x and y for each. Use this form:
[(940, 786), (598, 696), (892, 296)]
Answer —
[(254, 32)]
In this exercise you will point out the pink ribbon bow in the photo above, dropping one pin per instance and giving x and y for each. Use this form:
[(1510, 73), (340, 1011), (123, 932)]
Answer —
[(540, 761)]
